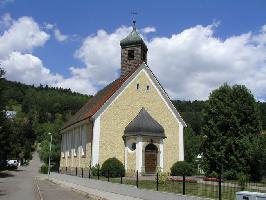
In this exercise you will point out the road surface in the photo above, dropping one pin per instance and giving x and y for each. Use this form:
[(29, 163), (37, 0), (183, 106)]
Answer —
[(22, 184)]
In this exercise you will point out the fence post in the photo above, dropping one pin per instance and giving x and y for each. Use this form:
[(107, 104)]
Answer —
[(184, 185), (157, 182), (108, 175), (220, 187), (98, 173), (137, 181), (121, 177), (82, 172), (66, 170), (89, 172)]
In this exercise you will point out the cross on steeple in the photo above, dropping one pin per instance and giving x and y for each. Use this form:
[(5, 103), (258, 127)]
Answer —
[(134, 13)]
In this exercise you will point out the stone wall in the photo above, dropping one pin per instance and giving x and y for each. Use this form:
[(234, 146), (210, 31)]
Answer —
[(128, 65)]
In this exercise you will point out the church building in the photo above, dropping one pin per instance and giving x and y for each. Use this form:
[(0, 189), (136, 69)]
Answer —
[(131, 119)]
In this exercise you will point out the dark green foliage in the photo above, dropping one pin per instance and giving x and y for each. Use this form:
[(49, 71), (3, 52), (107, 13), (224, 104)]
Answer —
[(39, 110), (5, 126), (242, 180), (231, 122), (44, 169), (95, 169), (182, 168), (192, 143), (114, 167), (262, 109), (230, 174), (192, 113), (257, 158)]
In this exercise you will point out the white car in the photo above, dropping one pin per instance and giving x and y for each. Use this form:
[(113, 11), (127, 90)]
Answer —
[(12, 163)]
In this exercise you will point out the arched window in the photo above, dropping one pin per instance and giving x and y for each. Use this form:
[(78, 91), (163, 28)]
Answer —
[(131, 54), (151, 147)]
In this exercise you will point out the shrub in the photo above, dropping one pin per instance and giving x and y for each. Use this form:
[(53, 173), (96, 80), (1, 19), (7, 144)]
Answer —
[(163, 177), (114, 167), (181, 168), (263, 180), (44, 169), (94, 170), (213, 175), (230, 175), (242, 180)]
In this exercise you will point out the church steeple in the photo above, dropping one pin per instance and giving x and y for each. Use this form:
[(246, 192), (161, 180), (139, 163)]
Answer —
[(133, 51)]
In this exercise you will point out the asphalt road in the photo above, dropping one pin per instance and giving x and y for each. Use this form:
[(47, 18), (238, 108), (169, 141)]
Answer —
[(21, 184)]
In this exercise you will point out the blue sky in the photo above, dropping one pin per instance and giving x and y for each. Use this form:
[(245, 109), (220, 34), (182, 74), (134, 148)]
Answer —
[(80, 21)]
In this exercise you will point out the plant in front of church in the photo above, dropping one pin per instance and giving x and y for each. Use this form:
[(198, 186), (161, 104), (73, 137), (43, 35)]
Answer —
[(181, 168), (94, 170), (162, 177), (114, 167)]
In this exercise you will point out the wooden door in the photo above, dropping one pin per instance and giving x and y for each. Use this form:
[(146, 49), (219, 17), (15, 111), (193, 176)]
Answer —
[(150, 162), (150, 158)]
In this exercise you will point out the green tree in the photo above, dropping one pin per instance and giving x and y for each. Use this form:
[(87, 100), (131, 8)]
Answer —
[(192, 144), (231, 122), (5, 135)]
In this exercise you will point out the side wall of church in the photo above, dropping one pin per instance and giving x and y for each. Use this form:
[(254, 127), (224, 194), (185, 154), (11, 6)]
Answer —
[(123, 110), (78, 160)]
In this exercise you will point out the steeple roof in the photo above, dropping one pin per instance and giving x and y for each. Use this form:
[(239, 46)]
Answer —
[(132, 39), (144, 125)]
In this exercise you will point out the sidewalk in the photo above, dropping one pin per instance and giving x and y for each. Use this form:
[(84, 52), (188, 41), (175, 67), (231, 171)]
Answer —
[(114, 191)]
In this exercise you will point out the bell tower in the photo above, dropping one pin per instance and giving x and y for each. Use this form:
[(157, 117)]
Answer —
[(133, 52)]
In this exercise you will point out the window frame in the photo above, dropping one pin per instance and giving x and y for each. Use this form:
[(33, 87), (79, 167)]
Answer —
[(130, 54)]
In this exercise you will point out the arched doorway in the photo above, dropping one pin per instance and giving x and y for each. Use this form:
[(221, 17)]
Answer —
[(151, 152)]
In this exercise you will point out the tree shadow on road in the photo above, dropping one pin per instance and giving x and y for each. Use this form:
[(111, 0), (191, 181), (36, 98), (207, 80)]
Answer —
[(5, 175), (19, 170), (2, 193)]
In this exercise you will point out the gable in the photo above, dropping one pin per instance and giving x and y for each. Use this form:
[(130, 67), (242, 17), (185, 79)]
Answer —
[(148, 77)]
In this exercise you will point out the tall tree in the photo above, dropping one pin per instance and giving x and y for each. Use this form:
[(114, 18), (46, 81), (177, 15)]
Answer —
[(231, 122), (192, 143), (4, 125)]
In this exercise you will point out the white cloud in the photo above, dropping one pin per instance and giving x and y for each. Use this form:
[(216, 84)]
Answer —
[(28, 69), (189, 64), (194, 62), (18, 41), (148, 30), (101, 54), (23, 35), (48, 26), (59, 36)]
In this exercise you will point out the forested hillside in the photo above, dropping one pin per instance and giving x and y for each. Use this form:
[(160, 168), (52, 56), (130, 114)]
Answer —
[(44, 109), (39, 110)]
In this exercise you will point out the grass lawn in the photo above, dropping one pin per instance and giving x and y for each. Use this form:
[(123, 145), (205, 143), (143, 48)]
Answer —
[(192, 189), (229, 189)]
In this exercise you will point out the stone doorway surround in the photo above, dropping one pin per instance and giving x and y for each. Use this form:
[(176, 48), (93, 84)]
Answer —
[(135, 158), (144, 131)]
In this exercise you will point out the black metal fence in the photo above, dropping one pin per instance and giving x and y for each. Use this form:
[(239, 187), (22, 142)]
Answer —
[(214, 188)]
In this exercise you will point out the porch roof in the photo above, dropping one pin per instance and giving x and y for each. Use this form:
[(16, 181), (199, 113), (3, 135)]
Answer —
[(144, 125)]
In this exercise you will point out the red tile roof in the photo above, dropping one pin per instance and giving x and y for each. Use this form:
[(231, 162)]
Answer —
[(97, 101)]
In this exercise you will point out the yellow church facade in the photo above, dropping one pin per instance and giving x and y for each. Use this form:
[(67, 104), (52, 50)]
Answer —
[(131, 119)]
